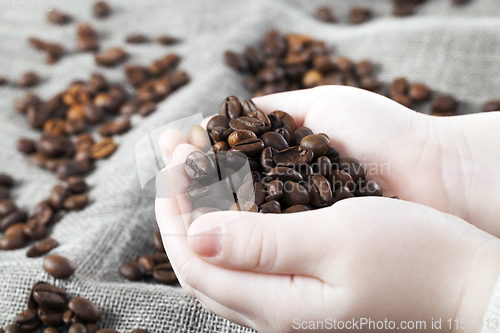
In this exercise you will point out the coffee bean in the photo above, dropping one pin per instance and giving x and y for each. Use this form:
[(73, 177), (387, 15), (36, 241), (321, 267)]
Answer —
[(237, 136), (16, 216), (50, 318), (231, 108), (4, 194), (318, 143), (294, 194), (13, 237), (371, 189), (26, 146), (293, 156), (250, 147), (128, 108), (102, 149), (340, 178), (111, 57), (76, 202), (157, 242), (220, 133), (136, 39), (42, 247), (147, 264), (199, 166), (57, 266), (7, 207), (28, 79), (70, 318), (319, 191), (295, 209), (217, 121), (444, 104), (299, 134), (325, 14), (353, 167), (493, 105), (274, 43), (57, 196), (13, 328), (47, 296), (56, 17), (76, 184), (247, 123), (114, 127), (35, 230), (107, 330), (84, 309), (274, 140), (274, 190), (198, 137), (284, 174), (164, 274), (92, 327), (51, 330), (236, 61), (131, 271), (101, 9), (77, 328), (6, 180), (166, 40), (286, 120), (37, 114), (359, 15), (28, 321), (271, 207)]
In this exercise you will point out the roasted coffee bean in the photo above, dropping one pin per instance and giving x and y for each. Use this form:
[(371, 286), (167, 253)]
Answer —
[(164, 273), (319, 191), (57, 266), (364, 68), (87, 44), (294, 194), (77, 328), (38, 159), (325, 14), (293, 156), (114, 127), (101, 9), (247, 123), (295, 209), (274, 190), (26, 146), (102, 149), (73, 168), (398, 86), (73, 126), (267, 158), (284, 174), (58, 194), (70, 318), (285, 134), (131, 271), (147, 264), (28, 321), (371, 189), (92, 327), (198, 137), (353, 167), (4, 194), (444, 104), (271, 207), (22, 104), (340, 178), (50, 318), (248, 106), (107, 330), (92, 113), (332, 154), (237, 136), (217, 121), (274, 43), (6, 180), (35, 230), (166, 40), (129, 108), (318, 143), (236, 61), (41, 248), (231, 108), (111, 57), (36, 115), (262, 116), (28, 79), (13, 328), (13, 237), (403, 100), (220, 133), (16, 216), (286, 120), (136, 38), (76, 184), (199, 166), (44, 215), (7, 207), (84, 309), (341, 193), (493, 105), (51, 146), (47, 296), (274, 140), (157, 242), (51, 330), (323, 166), (359, 15), (250, 147), (305, 171), (57, 17), (76, 202), (299, 134)]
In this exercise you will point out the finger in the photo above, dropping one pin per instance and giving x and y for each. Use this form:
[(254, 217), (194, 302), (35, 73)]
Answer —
[(168, 141), (264, 243)]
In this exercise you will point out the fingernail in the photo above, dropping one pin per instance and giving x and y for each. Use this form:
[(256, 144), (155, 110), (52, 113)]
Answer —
[(205, 238)]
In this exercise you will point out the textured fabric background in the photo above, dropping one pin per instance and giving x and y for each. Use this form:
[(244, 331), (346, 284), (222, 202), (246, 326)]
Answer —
[(452, 49)]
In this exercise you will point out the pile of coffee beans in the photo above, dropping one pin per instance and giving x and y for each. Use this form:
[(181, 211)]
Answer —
[(292, 169), (51, 308), (157, 265)]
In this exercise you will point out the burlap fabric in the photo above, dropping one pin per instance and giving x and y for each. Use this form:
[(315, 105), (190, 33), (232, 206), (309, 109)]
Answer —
[(451, 49)]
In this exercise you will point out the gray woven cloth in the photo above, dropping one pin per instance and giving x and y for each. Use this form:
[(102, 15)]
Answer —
[(452, 49)]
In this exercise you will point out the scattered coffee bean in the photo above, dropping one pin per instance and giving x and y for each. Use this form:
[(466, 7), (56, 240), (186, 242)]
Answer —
[(103, 148), (13, 328), (77, 328), (13, 237), (76, 202), (136, 39), (164, 273), (3, 81), (84, 309), (325, 14), (56, 17), (28, 321), (111, 57), (28, 79), (101, 9), (444, 105), (359, 15), (493, 105), (419, 92), (114, 127), (131, 271), (42, 247), (54, 51), (57, 266), (76, 184)]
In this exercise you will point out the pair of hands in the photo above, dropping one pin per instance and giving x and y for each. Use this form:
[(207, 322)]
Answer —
[(433, 254)]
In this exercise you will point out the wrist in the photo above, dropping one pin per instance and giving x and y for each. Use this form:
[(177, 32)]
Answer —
[(479, 285)]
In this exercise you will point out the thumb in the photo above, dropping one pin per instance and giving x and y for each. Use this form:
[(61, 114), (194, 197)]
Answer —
[(268, 243)]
